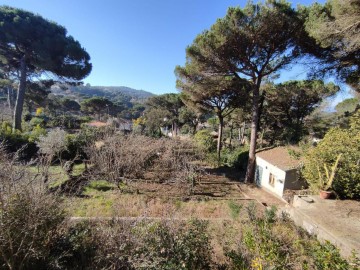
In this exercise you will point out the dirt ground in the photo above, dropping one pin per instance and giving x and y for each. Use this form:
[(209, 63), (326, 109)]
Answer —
[(214, 195), (337, 221)]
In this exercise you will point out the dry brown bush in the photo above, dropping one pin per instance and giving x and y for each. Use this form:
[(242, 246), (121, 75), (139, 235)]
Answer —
[(124, 158), (29, 216)]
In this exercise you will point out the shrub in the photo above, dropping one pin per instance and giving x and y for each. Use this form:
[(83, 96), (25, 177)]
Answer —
[(6, 127), (37, 121), (269, 242), (36, 133), (236, 158), (74, 247), (205, 140), (65, 121), (29, 218), (120, 158), (53, 143), (17, 141), (154, 245), (337, 141)]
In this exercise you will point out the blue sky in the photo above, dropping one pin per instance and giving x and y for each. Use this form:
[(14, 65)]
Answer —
[(135, 43)]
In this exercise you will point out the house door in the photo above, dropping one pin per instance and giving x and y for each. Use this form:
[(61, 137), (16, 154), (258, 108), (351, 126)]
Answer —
[(258, 175)]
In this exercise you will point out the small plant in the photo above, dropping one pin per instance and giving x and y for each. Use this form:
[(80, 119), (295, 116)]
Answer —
[(326, 184), (251, 211), (234, 209), (270, 214)]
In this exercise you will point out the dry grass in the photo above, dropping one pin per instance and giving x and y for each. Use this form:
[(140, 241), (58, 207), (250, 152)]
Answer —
[(103, 199)]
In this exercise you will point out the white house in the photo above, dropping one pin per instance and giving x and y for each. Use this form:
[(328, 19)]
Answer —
[(277, 170)]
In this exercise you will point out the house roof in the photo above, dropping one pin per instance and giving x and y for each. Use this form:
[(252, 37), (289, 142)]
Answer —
[(97, 124), (281, 157)]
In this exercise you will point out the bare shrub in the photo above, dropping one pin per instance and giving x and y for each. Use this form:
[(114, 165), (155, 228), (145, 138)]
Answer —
[(51, 147), (53, 143), (133, 157), (29, 217), (121, 157)]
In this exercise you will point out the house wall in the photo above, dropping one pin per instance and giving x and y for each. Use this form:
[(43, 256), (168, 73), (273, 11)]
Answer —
[(292, 180), (279, 175)]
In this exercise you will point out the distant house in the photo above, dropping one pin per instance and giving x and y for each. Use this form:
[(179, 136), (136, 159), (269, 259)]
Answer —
[(122, 125), (277, 170), (97, 124)]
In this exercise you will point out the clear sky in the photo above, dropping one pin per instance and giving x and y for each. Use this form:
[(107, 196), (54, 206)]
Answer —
[(134, 43)]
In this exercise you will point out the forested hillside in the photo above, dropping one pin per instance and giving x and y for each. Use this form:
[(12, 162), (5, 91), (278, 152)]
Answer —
[(110, 92)]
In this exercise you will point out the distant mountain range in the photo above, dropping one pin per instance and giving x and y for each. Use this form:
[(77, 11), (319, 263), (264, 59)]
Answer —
[(111, 92)]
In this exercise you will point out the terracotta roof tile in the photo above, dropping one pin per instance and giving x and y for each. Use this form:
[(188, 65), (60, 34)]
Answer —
[(280, 157), (97, 124)]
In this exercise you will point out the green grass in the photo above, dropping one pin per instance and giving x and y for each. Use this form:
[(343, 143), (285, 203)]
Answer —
[(99, 200), (104, 199), (78, 169), (98, 205), (57, 175), (94, 187), (235, 209)]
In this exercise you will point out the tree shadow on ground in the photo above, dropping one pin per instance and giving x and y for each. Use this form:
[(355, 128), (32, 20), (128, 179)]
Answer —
[(232, 174)]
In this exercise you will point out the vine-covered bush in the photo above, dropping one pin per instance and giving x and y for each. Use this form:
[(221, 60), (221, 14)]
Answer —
[(347, 176)]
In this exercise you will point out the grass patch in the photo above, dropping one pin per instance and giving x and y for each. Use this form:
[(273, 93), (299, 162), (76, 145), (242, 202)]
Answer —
[(78, 169), (98, 186), (96, 206), (57, 175), (235, 209)]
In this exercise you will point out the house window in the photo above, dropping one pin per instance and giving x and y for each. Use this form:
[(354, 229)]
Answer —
[(271, 180)]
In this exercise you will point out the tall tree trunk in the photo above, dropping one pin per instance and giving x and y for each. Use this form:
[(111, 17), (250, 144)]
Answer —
[(231, 134), (194, 128), (261, 108), (10, 98), (242, 133), (175, 129), (250, 171), (20, 95), (220, 132)]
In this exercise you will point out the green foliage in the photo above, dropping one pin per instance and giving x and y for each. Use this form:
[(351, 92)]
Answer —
[(184, 247), (347, 105), (269, 242), (154, 120), (17, 140), (37, 121), (19, 31), (76, 143), (216, 76), (96, 105), (287, 106), (235, 209), (205, 140), (236, 158), (36, 133), (74, 248), (327, 257), (190, 119), (25, 49), (334, 26), (114, 93), (337, 141), (326, 184), (70, 105), (67, 121), (6, 127)]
